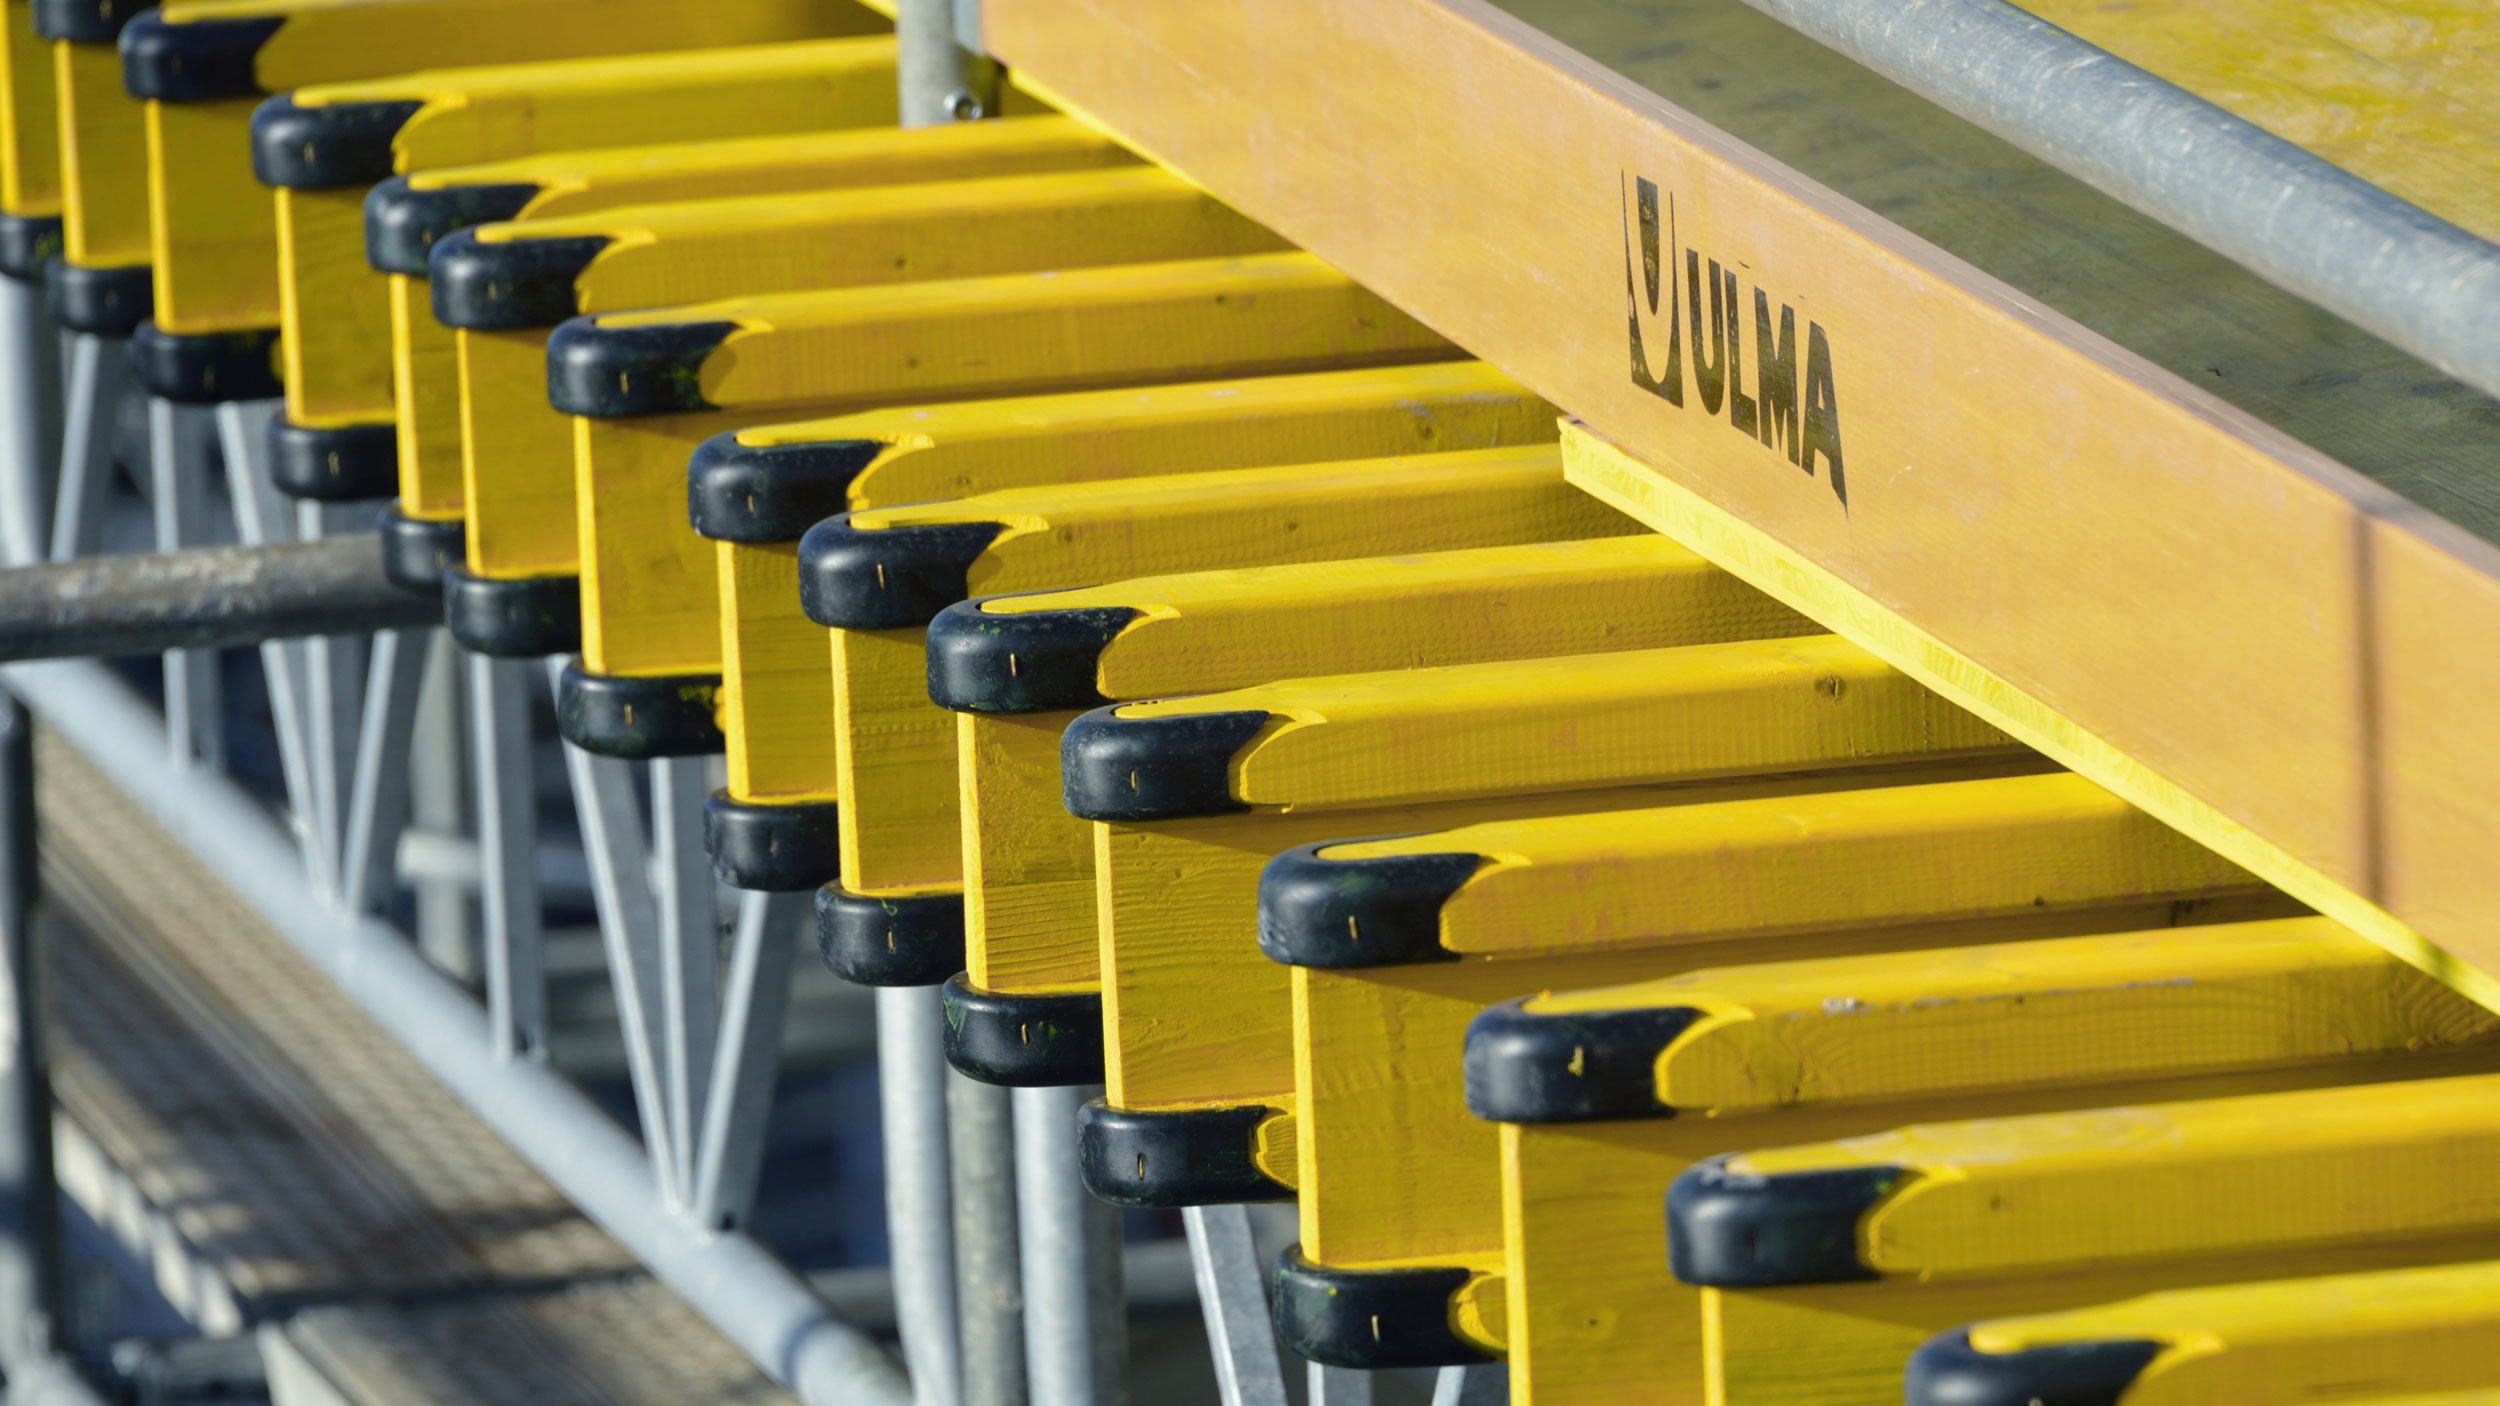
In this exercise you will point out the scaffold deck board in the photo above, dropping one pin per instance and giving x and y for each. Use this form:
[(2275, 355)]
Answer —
[(228, 1114), (2233, 547)]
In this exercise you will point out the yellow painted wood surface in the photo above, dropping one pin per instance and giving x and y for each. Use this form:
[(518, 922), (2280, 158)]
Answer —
[(901, 824), (30, 117), (2042, 1195), (961, 337), (1629, 718), (338, 368), (2062, 1011), (901, 820), (2032, 491), (213, 227), (425, 391), (776, 704), (706, 248), (967, 448), (104, 159), (1215, 630), (1188, 320), (516, 452), (1193, 1012), (1028, 866), (1028, 863), (1602, 1320), (2409, 1331), (1848, 858)]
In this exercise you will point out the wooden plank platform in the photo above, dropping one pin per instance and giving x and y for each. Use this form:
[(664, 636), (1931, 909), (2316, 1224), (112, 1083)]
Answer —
[(232, 1118), (2226, 555)]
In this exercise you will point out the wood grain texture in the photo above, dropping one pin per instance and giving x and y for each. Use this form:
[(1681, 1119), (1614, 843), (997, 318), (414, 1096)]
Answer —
[(2020, 486), (30, 118), (1028, 864), (516, 452), (776, 702), (2392, 1333), (104, 159), (334, 312), (212, 231), (901, 820), (425, 391)]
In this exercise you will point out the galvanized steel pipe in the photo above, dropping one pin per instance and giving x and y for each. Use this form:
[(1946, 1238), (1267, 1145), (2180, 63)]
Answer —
[(203, 598), (2304, 224)]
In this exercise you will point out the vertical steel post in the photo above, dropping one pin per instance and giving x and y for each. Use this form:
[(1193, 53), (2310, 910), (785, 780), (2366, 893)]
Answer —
[(1232, 1296), (980, 1121), (1075, 1306), (178, 473), (942, 78), (507, 843), (30, 419), (31, 1286), (920, 1236), (438, 805), (98, 381)]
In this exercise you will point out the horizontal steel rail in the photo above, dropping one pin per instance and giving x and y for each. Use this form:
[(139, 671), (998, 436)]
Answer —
[(204, 598), (2302, 223)]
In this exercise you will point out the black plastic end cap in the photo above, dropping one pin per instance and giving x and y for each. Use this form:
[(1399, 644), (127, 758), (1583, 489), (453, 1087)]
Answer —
[(639, 718), (417, 551), (1381, 912), (528, 617), (1174, 1157), (1165, 768), (1369, 1318), (786, 848), (1948, 1371), (915, 940), (768, 493), (508, 283), (209, 368), (402, 224), (27, 244), (102, 302), (198, 61), (1731, 1230), (323, 148), (887, 578), (1569, 1067), (1033, 661), (333, 464), (86, 21), (1023, 1041), (608, 373)]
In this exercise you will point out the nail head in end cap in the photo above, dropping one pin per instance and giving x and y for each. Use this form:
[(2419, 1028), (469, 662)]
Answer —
[(210, 368), (1369, 1319), (197, 61), (1351, 913), (507, 284), (1153, 768), (417, 551), (887, 578), (101, 302), (1043, 1041), (1571, 1066), (771, 493), (639, 718), (1026, 661), (85, 21), (326, 147), (890, 939), (333, 463), (27, 243), (1743, 1230), (609, 373), (1154, 1158), (403, 223), (789, 847), (1947, 1371), (526, 617)]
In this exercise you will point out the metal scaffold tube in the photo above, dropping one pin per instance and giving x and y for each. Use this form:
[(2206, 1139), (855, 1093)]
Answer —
[(751, 1297), (2305, 225)]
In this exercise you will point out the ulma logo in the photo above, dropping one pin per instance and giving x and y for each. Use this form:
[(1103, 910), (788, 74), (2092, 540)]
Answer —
[(1801, 422)]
